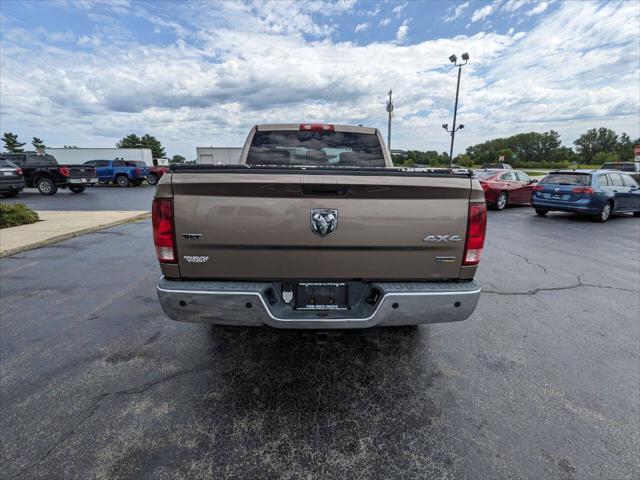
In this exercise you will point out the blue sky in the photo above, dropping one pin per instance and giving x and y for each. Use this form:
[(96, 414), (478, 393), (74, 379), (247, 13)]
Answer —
[(192, 73)]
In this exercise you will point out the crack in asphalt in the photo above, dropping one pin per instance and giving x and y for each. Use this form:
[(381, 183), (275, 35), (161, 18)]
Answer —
[(526, 260), (580, 284), (89, 412)]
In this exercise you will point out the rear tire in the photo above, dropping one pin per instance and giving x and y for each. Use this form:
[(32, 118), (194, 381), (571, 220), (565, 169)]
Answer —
[(46, 186), (604, 214), (11, 194), (501, 201), (122, 181), (77, 188), (636, 214), (152, 179), (541, 212)]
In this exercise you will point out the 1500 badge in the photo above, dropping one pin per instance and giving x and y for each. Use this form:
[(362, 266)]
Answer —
[(196, 258)]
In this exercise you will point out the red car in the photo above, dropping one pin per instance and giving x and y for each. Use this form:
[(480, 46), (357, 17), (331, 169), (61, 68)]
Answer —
[(505, 187), (155, 173)]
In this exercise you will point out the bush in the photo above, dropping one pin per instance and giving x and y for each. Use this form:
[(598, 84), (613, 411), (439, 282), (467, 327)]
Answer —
[(14, 215)]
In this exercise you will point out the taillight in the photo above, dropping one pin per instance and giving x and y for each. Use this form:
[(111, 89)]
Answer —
[(64, 171), (538, 188), (587, 190), (476, 230), (19, 171), (138, 171), (484, 185), (163, 233), (316, 127)]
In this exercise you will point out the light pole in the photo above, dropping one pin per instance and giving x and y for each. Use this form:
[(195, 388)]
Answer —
[(453, 59), (390, 110)]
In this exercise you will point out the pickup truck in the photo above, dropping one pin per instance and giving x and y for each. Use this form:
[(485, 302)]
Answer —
[(316, 229), (43, 172), (121, 172)]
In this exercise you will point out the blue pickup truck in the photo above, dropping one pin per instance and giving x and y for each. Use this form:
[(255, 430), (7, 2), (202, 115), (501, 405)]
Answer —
[(121, 172)]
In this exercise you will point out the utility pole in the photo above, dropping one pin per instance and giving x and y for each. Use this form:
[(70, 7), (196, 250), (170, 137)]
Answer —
[(390, 111)]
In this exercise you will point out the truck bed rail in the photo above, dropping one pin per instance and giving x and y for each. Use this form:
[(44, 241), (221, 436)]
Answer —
[(319, 170)]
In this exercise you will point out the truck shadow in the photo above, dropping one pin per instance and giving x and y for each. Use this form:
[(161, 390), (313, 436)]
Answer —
[(361, 395)]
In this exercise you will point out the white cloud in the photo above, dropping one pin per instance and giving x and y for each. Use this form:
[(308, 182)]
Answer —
[(513, 5), (541, 7), (481, 13), (240, 65), (360, 27), (403, 31), (89, 40), (385, 21), (456, 12), (398, 9), (510, 32)]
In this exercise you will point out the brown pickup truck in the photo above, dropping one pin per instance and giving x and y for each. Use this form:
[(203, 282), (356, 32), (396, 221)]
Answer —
[(315, 228)]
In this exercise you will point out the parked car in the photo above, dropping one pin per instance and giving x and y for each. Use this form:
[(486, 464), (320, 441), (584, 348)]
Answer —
[(500, 166), (312, 230), (599, 193), (155, 174), (11, 178), (505, 187), (632, 168), (120, 172), (43, 172)]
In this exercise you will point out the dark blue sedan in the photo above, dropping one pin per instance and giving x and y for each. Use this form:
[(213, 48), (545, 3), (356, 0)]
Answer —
[(599, 193)]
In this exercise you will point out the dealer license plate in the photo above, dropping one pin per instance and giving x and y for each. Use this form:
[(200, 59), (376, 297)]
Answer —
[(321, 296)]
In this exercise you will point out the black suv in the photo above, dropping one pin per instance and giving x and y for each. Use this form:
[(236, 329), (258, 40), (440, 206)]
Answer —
[(11, 179), (43, 172)]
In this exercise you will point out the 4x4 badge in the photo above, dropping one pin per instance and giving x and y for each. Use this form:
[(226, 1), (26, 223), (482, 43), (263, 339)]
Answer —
[(442, 238)]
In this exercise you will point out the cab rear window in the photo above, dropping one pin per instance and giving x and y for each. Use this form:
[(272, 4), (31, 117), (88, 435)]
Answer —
[(568, 179), (315, 148)]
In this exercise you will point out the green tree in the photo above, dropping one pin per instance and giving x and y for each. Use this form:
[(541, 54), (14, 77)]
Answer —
[(604, 157), (463, 160), (37, 143), (11, 142), (595, 141), (178, 159), (146, 141), (507, 153), (152, 143), (130, 141), (625, 147)]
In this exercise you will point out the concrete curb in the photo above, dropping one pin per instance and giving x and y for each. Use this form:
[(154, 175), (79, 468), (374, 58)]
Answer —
[(66, 236)]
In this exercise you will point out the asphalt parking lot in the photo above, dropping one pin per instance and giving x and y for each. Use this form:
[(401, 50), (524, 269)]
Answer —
[(541, 382), (103, 197)]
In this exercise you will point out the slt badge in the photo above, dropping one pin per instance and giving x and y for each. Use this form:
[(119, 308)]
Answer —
[(196, 258)]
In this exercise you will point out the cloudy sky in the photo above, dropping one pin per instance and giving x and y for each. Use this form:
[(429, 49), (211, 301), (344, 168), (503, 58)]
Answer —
[(193, 73)]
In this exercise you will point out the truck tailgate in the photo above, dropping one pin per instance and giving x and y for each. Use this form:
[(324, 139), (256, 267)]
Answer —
[(258, 226)]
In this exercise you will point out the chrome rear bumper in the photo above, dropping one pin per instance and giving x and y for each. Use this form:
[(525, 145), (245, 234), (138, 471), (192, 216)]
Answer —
[(247, 304)]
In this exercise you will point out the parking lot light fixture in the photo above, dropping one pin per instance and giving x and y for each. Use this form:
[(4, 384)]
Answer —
[(454, 59)]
